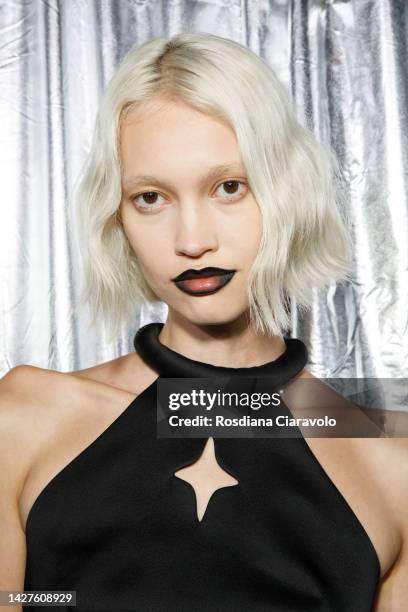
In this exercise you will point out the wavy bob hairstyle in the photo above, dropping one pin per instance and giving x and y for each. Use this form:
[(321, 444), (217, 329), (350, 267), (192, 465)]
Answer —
[(293, 178)]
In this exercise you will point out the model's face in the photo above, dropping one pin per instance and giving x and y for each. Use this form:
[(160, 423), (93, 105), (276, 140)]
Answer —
[(183, 208)]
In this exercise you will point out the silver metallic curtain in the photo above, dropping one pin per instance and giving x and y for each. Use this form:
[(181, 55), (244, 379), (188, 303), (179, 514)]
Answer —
[(345, 64)]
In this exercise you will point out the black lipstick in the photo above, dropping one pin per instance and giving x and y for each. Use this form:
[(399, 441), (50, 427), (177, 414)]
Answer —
[(204, 281)]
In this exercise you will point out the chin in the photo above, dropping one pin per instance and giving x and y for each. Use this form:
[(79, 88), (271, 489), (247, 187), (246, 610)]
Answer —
[(213, 309), (213, 314)]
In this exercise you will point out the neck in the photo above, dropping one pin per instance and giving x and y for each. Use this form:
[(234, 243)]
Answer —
[(234, 344)]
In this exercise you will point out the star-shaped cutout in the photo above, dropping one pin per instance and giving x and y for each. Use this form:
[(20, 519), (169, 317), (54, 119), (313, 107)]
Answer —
[(206, 476)]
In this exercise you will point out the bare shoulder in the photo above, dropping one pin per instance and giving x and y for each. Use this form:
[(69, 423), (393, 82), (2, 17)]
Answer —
[(49, 417), (23, 394), (29, 385), (383, 463), (28, 394), (128, 372), (385, 454), (33, 399)]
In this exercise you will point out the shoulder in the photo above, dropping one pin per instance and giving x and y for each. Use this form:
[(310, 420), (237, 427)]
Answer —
[(385, 462), (33, 400), (27, 388), (127, 373), (35, 403), (28, 396), (26, 385), (23, 391), (388, 455)]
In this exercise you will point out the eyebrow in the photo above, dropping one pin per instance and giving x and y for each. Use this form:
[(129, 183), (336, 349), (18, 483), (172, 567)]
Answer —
[(214, 172)]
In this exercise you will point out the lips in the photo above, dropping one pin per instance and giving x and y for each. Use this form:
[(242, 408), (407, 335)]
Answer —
[(203, 282)]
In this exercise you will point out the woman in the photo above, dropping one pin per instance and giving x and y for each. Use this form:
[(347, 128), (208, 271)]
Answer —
[(201, 191)]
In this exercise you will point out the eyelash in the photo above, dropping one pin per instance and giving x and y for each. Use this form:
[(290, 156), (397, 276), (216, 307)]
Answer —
[(154, 206)]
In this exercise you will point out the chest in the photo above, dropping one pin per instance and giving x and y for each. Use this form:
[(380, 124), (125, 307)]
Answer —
[(292, 505)]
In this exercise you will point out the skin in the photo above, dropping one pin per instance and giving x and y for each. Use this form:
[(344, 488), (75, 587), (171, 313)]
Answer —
[(193, 223)]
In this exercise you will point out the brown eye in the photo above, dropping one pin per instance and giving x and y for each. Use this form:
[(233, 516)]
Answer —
[(149, 197), (231, 186), (146, 200), (232, 189)]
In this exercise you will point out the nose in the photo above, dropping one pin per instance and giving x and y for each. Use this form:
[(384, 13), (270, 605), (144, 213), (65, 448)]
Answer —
[(195, 233)]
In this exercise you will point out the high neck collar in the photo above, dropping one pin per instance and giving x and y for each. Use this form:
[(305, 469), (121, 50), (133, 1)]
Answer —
[(170, 364)]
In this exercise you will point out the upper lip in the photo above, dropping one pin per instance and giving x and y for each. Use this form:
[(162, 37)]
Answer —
[(202, 273)]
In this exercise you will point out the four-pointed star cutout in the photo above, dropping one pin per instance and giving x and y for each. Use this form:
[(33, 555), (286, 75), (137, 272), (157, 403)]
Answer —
[(206, 476)]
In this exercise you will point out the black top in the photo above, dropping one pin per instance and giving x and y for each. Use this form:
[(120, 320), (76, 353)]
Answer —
[(119, 528)]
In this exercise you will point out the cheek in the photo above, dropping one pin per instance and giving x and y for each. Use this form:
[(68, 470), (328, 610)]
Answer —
[(137, 242), (150, 248), (255, 225), (246, 232)]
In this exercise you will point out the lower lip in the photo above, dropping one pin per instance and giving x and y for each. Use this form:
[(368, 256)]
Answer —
[(204, 286)]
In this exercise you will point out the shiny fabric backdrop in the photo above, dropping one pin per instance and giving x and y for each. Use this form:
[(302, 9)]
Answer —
[(345, 64)]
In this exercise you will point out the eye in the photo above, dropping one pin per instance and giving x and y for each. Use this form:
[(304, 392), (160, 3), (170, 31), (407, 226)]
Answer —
[(150, 200), (146, 200), (232, 189)]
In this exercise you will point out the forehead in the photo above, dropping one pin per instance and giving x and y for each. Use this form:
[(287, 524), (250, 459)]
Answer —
[(166, 112), (172, 131)]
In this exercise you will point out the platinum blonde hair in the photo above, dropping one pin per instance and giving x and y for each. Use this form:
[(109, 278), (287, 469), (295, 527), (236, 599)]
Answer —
[(292, 176)]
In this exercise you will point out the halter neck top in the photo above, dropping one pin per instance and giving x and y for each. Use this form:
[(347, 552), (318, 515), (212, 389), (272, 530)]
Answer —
[(117, 526)]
